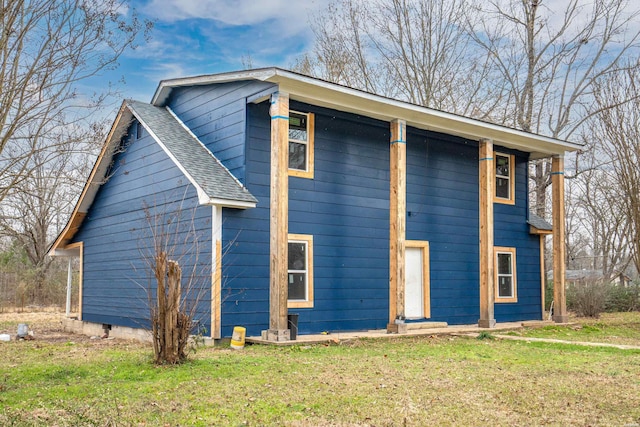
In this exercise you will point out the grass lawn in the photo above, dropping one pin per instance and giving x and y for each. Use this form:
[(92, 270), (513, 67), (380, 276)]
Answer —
[(413, 381), (614, 328)]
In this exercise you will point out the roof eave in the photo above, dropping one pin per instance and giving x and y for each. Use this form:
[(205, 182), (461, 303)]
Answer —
[(98, 172), (330, 95)]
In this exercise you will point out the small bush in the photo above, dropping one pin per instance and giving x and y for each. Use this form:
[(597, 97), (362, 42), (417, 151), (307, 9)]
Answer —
[(587, 299), (621, 299)]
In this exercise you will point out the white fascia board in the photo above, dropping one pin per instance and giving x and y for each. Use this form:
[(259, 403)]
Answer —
[(164, 88), (74, 252), (230, 203), (329, 95)]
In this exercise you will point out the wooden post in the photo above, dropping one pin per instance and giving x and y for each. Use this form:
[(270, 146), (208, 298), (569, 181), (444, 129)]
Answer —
[(279, 227), (397, 226), (487, 186), (559, 298)]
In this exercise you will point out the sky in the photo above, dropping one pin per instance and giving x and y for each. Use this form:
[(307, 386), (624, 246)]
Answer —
[(194, 37)]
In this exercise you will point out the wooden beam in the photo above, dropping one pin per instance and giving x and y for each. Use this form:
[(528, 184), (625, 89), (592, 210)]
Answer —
[(279, 218), (487, 189), (559, 267), (397, 225)]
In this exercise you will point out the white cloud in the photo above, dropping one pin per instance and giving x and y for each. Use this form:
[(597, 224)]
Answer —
[(290, 15)]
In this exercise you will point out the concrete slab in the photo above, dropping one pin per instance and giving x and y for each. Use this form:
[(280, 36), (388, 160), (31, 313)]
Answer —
[(336, 337)]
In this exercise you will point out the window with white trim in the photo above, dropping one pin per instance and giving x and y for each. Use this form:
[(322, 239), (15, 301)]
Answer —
[(300, 271), (505, 275), (504, 192), (301, 129)]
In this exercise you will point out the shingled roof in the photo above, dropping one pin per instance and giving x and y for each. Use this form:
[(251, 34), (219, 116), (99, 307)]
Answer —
[(202, 168)]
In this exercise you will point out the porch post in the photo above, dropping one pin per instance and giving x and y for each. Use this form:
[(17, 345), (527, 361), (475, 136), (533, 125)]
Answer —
[(69, 283), (559, 298), (397, 225), (278, 330), (487, 185)]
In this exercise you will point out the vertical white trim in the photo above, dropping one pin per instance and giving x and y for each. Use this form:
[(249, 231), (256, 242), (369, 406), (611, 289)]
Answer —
[(216, 271)]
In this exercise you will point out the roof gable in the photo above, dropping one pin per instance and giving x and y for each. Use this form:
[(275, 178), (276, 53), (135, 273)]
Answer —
[(214, 183)]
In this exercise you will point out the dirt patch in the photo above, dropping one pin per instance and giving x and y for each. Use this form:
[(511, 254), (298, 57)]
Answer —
[(46, 327)]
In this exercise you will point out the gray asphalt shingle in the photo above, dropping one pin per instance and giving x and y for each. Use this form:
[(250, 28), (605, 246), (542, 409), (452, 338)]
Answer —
[(205, 169), (539, 223)]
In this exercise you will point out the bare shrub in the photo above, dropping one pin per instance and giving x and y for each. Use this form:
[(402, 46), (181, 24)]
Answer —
[(622, 298), (588, 298), (170, 248)]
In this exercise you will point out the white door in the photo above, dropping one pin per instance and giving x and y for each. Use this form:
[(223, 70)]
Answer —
[(414, 286)]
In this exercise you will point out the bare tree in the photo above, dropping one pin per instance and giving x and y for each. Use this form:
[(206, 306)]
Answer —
[(170, 246), (597, 224), (418, 51), (47, 48), (549, 60), (40, 203), (528, 64), (618, 130)]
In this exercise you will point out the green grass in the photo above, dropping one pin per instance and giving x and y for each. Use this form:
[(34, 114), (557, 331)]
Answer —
[(614, 328), (412, 381)]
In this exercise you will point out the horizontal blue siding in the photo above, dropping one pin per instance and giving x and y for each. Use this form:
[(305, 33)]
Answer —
[(116, 236), (345, 208), (512, 230), (216, 114), (443, 208)]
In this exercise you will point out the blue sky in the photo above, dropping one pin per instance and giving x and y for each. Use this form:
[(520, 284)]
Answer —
[(193, 37)]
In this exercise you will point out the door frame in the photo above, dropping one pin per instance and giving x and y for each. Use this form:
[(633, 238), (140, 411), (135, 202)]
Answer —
[(426, 285)]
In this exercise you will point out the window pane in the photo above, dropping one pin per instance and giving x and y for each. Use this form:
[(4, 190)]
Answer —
[(504, 263), (505, 290), (297, 286), (502, 188), (298, 127), (297, 156), (502, 166), (297, 256)]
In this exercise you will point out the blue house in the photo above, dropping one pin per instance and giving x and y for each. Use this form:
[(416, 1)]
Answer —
[(292, 195)]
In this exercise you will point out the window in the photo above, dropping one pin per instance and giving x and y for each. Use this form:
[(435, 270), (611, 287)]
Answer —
[(300, 271), (504, 178), (139, 130), (301, 127), (505, 275)]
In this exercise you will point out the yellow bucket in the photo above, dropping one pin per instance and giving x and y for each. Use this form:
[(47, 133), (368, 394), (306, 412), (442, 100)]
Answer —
[(237, 339)]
